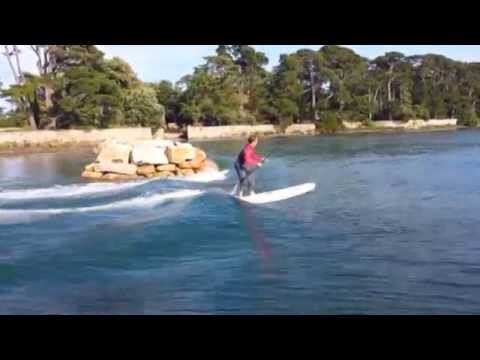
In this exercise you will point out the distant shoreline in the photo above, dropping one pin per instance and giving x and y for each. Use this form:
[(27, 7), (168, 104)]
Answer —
[(402, 131), (343, 132), (53, 148), (45, 149)]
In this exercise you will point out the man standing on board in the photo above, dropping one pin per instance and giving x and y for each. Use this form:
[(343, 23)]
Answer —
[(247, 162)]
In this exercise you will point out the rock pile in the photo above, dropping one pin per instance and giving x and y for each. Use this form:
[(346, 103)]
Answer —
[(117, 160)]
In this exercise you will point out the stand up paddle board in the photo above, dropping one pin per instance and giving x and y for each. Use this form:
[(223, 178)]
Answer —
[(277, 195)]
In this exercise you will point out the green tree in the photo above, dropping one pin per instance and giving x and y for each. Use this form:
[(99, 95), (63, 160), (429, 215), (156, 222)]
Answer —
[(286, 90), (169, 97), (89, 98), (220, 91), (142, 107)]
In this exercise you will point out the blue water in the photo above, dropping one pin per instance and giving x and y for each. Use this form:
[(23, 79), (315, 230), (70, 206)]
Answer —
[(391, 229)]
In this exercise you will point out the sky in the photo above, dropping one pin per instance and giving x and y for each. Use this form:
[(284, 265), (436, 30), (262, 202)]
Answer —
[(171, 62)]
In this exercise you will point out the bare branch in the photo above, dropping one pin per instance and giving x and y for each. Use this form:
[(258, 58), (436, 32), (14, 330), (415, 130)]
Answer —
[(37, 51), (7, 54), (16, 51)]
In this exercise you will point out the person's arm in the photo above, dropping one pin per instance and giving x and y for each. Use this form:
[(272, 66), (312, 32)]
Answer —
[(251, 157), (257, 158)]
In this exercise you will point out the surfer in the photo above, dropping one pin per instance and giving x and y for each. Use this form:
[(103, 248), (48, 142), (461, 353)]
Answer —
[(247, 162)]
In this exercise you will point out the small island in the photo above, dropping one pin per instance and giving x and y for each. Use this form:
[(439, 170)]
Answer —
[(124, 160)]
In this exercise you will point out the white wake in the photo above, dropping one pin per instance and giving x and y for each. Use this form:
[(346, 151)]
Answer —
[(17, 215), (61, 191), (204, 177)]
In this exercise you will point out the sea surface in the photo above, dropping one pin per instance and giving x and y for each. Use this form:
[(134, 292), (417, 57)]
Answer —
[(392, 228)]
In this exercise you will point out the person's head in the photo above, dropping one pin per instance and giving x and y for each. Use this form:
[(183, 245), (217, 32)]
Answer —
[(253, 140)]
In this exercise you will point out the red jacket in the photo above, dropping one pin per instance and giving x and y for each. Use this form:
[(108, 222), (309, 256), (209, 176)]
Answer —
[(250, 156)]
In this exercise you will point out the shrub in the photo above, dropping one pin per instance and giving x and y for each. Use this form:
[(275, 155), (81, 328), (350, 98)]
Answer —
[(329, 122)]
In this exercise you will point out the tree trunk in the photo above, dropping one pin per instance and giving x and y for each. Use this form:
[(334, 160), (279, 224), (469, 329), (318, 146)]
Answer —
[(49, 107), (44, 65), (389, 90), (375, 97), (314, 96), (380, 102), (31, 120), (369, 104), (31, 109)]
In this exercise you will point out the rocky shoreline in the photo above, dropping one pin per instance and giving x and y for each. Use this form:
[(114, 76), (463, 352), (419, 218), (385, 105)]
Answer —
[(121, 160)]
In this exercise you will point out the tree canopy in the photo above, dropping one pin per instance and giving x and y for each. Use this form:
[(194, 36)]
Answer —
[(76, 86)]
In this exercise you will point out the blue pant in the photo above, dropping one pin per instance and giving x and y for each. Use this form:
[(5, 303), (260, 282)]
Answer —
[(245, 177)]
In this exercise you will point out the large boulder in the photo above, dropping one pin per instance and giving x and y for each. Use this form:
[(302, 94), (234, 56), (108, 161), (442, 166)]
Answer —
[(208, 166), (146, 170), (200, 157), (91, 167), (115, 177), (114, 152), (185, 165), (153, 154), (156, 142), (125, 169), (187, 172), (92, 174), (163, 174), (180, 153), (168, 167), (196, 163)]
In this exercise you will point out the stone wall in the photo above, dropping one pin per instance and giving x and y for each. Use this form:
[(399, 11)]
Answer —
[(300, 129), (442, 122), (352, 125), (233, 131), (46, 137), (411, 124)]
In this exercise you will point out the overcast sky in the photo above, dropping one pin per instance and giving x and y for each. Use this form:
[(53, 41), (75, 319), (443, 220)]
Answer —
[(171, 62)]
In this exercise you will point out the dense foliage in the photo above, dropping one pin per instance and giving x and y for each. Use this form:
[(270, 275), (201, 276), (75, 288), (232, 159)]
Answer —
[(81, 88), (78, 87)]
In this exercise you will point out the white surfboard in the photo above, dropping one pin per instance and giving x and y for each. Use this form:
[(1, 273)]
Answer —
[(278, 195)]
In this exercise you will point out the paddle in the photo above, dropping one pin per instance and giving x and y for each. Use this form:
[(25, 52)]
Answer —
[(266, 157)]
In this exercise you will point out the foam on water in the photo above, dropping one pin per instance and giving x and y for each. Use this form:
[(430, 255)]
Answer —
[(67, 190), (204, 177), (97, 188), (21, 215)]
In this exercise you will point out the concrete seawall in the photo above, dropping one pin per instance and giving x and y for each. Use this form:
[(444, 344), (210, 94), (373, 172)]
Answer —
[(23, 139), (59, 137), (411, 124), (218, 132), (300, 129), (235, 131)]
